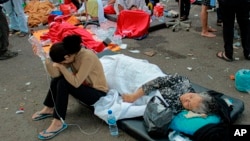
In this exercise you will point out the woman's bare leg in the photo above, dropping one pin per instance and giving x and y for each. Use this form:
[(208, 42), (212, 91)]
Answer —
[(204, 23)]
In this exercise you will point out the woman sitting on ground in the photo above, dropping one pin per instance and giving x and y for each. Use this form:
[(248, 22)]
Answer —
[(76, 71), (177, 91), (128, 5), (95, 11), (92, 10)]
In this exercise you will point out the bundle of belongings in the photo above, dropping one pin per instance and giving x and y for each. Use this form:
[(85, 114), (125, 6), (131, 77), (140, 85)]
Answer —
[(38, 12), (59, 29), (126, 74)]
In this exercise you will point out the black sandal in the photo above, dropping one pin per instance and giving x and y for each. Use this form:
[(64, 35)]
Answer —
[(8, 54), (222, 55), (183, 18), (247, 57), (13, 31)]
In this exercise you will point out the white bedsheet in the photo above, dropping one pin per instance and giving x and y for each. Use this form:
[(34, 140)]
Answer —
[(125, 74)]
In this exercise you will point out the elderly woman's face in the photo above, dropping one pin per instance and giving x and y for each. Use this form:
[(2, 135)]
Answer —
[(190, 101)]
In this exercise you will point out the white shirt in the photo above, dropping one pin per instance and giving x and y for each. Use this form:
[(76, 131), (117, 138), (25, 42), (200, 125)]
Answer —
[(126, 4)]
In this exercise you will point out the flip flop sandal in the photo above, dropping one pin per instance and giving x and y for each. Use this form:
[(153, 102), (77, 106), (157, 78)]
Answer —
[(40, 116), (221, 55), (248, 57), (52, 134)]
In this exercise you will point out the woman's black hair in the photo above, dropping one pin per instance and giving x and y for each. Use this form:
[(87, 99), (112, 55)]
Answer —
[(70, 45), (57, 52)]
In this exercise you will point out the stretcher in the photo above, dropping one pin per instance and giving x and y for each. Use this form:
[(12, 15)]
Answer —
[(135, 127)]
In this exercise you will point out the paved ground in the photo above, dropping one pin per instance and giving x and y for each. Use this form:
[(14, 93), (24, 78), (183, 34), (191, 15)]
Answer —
[(24, 81)]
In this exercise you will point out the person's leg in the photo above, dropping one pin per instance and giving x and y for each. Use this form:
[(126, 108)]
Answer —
[(22, 20), (242, 15), (57, 98), (184, 9), (181, 6), (248, 33), (206, 30), (60, 90), (13, 21), (187, 7), (4, 38), (4, 33), (50, 99), (228, 20), (219, 15), (86, 94)]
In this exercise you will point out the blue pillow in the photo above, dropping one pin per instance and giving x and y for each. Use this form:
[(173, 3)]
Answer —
[(190, 125)]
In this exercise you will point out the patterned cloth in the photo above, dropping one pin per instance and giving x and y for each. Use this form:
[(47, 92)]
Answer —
[(171, 88)]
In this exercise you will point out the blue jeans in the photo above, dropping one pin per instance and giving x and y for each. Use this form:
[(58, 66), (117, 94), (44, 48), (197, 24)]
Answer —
[(15, 12)]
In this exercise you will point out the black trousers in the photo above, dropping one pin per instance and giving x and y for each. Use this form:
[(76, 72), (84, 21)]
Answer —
[(58, 96), (184, 7), (232, 9), (4, 32)]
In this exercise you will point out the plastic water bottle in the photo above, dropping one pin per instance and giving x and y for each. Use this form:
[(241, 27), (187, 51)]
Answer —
[(112, 124), (39, 49)]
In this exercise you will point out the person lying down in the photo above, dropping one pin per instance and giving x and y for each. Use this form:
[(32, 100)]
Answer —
[(177, 91), (194, 113), (134, 81)]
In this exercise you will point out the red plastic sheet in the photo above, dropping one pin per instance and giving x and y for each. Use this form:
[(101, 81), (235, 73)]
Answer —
[(109, 9), (68, 8), (132, 23), (60, 29)]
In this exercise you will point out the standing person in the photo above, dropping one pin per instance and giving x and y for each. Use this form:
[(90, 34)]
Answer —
[(4, 38), (76, 71), (206, 30), (232, 9), (17, 19), (184, 9), (219, 14)]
